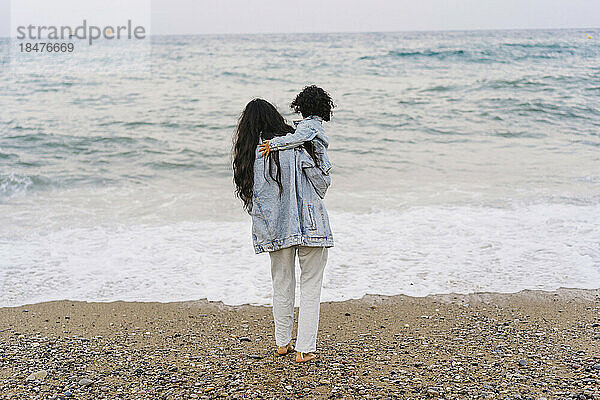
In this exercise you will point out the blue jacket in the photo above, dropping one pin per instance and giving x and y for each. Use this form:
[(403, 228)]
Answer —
[(309, 129), (298, 216)]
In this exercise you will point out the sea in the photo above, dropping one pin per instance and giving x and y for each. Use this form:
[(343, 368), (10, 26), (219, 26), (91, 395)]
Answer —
[(463, 162)]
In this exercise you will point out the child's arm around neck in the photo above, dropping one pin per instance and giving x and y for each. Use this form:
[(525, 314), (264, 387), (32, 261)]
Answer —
[(306, 130)]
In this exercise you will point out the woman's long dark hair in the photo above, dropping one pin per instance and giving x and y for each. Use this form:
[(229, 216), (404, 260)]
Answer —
[(259, 120)]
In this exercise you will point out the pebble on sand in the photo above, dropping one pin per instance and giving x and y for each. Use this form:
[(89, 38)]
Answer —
[(37, 375), (85, 382)]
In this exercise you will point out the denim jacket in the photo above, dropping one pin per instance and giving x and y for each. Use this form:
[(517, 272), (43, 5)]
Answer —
[(298, 216), (308, 129)]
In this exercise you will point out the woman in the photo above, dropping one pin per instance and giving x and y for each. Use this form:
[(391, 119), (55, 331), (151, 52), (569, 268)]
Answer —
[(282, 193)]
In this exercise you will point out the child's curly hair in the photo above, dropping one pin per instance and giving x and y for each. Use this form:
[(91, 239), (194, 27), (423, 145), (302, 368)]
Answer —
[(313, 100)]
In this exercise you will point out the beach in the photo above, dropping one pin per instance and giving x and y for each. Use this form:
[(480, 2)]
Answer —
[(526, 345), (464, 161)]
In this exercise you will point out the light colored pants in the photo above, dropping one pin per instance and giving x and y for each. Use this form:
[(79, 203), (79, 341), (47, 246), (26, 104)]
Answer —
[(312, 265)]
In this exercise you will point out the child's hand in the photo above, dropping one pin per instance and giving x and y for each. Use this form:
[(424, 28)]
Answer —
[(264, 148)]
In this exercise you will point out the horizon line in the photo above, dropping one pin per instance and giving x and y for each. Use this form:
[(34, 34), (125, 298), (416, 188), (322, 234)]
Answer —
[(361, 32)]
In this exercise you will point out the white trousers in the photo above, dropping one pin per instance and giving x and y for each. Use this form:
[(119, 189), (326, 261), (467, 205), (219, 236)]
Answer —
[(312, 265)]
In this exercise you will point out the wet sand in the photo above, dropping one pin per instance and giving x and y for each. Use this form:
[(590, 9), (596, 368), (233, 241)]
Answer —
[(528, 345)]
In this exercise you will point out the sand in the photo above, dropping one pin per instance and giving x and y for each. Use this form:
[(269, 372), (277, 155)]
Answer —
[(527, 345)]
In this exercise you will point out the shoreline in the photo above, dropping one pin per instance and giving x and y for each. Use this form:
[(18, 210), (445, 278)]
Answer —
[(526, 345), (562, 293)]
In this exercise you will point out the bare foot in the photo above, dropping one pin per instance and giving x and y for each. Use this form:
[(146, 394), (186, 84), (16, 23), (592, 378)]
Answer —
[(282, 351), (304, 357)]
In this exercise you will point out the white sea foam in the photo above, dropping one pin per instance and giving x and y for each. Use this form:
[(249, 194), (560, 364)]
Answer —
[(12, 183), (419, 251)]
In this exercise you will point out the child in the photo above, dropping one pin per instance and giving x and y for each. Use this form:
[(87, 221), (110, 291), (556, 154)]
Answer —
[(315, 105)]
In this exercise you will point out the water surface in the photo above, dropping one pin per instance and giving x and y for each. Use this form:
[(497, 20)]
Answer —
[(463, 161)]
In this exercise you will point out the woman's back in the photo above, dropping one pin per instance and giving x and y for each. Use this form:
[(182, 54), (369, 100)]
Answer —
[(293, 214)]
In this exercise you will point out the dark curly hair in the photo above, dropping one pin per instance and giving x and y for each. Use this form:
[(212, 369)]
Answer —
[(313, 100)]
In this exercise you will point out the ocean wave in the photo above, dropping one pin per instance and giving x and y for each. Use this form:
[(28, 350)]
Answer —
[(419, 251), (235, 74), (532, 51), (8, 156), (520, 83), (544, 46), (418, 53), (593, 179), (439, 88), (427, 53), (13, 183), (501, 53)]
